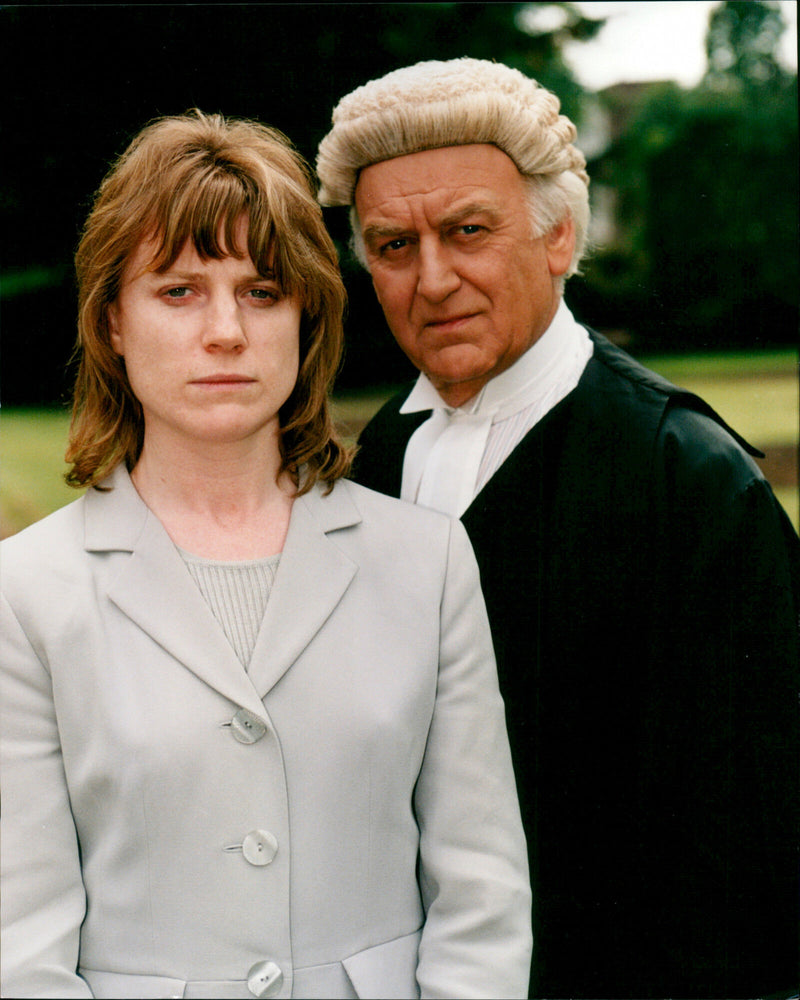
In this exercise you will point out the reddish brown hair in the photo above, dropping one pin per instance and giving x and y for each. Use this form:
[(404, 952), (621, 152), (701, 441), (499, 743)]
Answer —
[(192, 177)]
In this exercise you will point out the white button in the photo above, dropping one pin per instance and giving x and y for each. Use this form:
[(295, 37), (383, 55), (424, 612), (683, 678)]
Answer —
[(264, 979), (246, 727), (259, 847)]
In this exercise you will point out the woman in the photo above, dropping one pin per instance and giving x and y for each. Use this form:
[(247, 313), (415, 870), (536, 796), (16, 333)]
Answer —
[(254, 744)]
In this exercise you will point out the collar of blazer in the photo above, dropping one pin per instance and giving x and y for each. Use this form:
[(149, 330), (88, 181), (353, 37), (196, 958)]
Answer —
[(154, 589)]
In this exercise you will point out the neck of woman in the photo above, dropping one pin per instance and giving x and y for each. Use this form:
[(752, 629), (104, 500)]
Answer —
[(218, 500)]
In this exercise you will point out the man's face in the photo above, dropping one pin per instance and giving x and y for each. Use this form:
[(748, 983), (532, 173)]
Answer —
[(465, 287)]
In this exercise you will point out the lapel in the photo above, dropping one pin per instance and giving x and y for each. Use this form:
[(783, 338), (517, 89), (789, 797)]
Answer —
[(312, 577), (154, 589)]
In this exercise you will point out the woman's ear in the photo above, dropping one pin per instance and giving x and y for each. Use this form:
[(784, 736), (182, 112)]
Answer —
[(113, 328), (559, 246)]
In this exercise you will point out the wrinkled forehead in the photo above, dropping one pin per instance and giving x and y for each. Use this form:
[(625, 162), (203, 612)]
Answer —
[(445, 178)]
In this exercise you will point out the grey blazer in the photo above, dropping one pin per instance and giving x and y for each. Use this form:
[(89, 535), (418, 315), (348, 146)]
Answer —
[(341, 820)]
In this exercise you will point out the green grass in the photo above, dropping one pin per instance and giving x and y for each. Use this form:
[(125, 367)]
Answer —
[(32, 444), (756, 393), (738, 364)]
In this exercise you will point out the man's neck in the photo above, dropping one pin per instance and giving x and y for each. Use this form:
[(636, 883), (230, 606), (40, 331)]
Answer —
[(528, 375)]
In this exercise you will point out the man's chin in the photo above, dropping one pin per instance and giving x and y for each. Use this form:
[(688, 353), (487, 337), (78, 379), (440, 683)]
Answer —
[(457, 387)]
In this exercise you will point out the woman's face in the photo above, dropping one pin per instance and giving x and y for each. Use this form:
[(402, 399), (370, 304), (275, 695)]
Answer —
[(211, 347)]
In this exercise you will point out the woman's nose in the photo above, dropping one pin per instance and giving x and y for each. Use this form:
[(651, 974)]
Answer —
[(223, 329)]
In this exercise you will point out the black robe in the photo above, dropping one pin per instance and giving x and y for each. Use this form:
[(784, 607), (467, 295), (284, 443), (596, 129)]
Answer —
[(642, 586)]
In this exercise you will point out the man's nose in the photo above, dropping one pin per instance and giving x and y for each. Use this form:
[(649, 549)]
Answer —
[(223, 329), (437, 277)]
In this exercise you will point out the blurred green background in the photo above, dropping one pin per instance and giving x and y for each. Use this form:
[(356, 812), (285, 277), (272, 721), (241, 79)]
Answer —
[(694, 188)]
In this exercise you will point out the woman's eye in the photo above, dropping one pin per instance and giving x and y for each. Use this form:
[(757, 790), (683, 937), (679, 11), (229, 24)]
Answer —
[(265, 294), (179, 292)]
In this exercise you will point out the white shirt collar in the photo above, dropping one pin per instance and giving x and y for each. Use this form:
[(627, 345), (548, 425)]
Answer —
[(526, 380)]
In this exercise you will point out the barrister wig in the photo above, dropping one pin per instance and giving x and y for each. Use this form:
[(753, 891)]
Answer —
[(455, 103), (192, 177)]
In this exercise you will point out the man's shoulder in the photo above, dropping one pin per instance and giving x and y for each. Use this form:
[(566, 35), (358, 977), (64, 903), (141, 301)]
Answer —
[(700, 457), (615, 378), (694, 449), (621, 365), (639, 387)]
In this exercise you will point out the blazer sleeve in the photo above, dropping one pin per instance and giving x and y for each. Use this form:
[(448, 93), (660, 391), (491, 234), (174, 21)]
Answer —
[(476, 941), (43, 901)]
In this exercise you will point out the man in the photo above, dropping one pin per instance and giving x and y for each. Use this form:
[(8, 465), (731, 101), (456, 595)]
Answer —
[(640, 577)]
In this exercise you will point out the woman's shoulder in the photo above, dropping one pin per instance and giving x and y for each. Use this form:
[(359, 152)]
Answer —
[(393, 530), (398, 544), (59, 535), (384, 502), (393, 513), (374, 516)]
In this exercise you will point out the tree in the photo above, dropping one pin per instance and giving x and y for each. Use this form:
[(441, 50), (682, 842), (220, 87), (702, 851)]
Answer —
[(707, 193), (741, 45)]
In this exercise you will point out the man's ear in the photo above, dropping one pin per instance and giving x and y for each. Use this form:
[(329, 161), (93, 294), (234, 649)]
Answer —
[(559, 246)]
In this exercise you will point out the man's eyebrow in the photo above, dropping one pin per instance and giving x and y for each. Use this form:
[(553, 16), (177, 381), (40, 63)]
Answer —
[(377, 231), (473, 208)]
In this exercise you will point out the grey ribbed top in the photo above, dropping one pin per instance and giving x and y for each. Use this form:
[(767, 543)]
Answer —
[(237, 593)]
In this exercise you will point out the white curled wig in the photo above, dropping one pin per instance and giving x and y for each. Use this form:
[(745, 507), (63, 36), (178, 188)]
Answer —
[(455, 103)]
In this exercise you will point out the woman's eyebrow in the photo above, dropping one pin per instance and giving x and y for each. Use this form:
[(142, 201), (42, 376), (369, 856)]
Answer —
[(177, 275), (172, 274)]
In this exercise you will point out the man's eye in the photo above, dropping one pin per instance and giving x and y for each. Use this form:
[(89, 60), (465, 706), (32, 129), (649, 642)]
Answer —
[(397, 244), (179, 292), (265, 294), (470, 229)]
